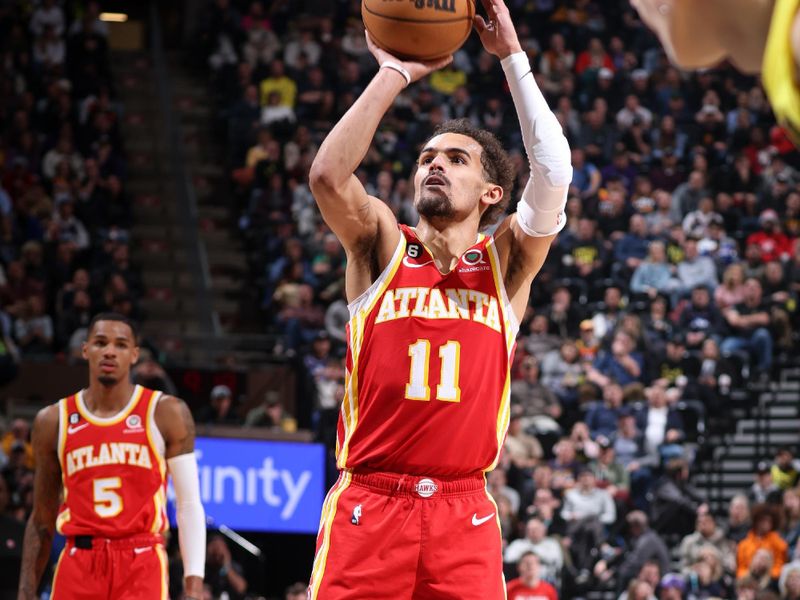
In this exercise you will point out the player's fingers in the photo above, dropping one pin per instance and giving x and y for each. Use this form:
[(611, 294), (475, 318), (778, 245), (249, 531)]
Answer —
[(487, 6), (479, 24)]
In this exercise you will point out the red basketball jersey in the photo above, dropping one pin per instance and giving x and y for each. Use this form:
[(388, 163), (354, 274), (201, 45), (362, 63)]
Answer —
[(427, 382), (113, 469)]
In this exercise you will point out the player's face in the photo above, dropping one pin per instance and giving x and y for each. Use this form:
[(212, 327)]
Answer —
[(110, 350), (685, 36), (449, 183)]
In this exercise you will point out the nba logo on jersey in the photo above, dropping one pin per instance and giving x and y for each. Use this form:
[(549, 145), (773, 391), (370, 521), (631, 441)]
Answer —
[(356, 518)]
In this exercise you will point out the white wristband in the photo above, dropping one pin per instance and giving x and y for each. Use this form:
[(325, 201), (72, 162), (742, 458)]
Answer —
[(390, 64)]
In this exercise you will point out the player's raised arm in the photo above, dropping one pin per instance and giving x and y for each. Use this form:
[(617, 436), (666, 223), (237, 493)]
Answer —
[(347, 209), (46, 497), (177, 426), (540, 213)]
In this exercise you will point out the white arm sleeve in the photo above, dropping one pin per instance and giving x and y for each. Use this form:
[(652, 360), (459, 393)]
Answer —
[(190, 514), (541, 212)]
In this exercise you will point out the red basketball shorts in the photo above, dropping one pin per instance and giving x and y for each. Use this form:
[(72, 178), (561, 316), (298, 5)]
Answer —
[(386, 536), (133, 568)]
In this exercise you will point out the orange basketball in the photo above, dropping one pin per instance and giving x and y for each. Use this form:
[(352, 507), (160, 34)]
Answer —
[(418, 29)]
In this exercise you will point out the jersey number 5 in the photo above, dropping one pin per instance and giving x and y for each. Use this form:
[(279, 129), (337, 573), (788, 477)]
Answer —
[(417, 388), (107, 502)]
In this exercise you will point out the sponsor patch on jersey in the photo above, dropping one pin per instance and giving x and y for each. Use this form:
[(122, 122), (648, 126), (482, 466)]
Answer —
[(133, 422), (74, 418), (474, 257)]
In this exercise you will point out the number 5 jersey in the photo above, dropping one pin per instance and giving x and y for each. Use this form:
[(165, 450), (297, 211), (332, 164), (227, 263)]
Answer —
[(113, 469), (428, 357)]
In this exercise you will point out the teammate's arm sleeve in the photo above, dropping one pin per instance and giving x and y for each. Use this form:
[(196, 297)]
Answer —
[(190, 514), (541, 211)]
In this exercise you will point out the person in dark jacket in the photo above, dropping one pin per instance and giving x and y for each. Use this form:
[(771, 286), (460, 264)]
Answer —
[(675, 502)]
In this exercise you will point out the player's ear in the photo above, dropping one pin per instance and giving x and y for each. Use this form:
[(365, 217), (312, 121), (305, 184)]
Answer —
[(492, 194), (135, 355), (85, 350)]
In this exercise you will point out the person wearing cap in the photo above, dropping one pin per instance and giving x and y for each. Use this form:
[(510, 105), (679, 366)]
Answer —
[(749, 324), (218, 411), (770, 239), (763, 488), (671, 587)]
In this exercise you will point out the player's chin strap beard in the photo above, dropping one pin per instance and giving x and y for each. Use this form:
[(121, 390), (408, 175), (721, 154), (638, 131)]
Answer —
[(107, 380)]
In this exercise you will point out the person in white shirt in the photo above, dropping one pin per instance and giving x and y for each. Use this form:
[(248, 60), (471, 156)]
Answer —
[(549, 551)]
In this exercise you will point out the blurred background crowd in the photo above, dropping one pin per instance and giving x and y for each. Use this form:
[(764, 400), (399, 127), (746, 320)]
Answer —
[(674, 283)]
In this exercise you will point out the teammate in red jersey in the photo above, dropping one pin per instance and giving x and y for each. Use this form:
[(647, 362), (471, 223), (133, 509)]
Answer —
[(105, 452), (434, 312)]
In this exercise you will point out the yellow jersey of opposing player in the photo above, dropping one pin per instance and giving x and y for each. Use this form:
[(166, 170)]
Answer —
[(779, 71)]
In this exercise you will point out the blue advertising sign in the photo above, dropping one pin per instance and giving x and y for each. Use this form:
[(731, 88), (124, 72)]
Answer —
[(255, 485)]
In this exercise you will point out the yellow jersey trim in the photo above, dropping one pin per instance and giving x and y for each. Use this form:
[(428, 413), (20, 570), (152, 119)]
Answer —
[(106, 421), (779, 71), (328, 516)]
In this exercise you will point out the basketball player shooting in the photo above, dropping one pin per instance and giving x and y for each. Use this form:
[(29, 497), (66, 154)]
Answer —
[(108, 449), (434, 311)]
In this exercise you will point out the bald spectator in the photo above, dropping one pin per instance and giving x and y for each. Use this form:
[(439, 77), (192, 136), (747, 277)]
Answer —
[(546, 548)]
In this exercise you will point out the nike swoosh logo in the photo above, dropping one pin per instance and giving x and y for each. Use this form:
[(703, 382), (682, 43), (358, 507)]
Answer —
[(476, 521), (141, 550), (72, 429), (411, 265)]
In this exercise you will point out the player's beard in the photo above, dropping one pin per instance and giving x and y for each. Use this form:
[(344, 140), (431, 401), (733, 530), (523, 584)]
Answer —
[(435, 206), (107, 380)]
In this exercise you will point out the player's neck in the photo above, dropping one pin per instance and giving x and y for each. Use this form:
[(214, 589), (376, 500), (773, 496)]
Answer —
[(744, 34), (447, 243), (104, 401)]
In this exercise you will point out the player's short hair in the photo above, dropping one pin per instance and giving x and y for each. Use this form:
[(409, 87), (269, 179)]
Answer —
[(112, 316), (496, 163)]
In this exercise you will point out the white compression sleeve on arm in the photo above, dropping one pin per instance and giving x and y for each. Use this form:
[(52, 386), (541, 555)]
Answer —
[(541, 212), (190, 514)]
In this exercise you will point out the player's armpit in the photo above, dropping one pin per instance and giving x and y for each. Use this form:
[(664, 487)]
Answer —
[(175, 422), (46, 498)]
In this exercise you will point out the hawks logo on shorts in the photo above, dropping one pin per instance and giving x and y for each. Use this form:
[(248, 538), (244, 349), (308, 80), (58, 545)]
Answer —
[(427, 387)]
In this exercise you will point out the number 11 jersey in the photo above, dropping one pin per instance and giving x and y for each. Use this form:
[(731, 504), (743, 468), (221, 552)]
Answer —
[(428, 366)]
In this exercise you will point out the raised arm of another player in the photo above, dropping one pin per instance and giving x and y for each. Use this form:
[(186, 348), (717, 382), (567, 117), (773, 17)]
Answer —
[(46, 497), (176, 425), (540, 213), (363, 224)]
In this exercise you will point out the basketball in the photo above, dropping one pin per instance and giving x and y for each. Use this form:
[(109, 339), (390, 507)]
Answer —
[(418, 29)]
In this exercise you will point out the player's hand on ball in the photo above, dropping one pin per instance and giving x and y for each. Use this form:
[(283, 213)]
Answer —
[(498, 36), (417, 69)]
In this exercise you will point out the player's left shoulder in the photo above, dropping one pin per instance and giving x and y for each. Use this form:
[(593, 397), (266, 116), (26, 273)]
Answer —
[(171, 412)]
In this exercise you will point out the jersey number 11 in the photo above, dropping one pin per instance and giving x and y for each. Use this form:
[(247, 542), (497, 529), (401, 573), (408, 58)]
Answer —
[(417, 388)]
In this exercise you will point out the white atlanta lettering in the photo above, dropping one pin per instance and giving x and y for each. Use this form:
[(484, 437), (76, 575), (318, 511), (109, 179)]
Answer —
[(113, 453), (433, 303)]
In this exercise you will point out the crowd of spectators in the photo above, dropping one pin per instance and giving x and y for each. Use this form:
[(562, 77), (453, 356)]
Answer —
[(64, 215), (675, 280)]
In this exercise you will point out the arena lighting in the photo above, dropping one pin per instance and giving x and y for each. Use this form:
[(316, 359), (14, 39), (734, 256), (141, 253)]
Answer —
[(113, 17)]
